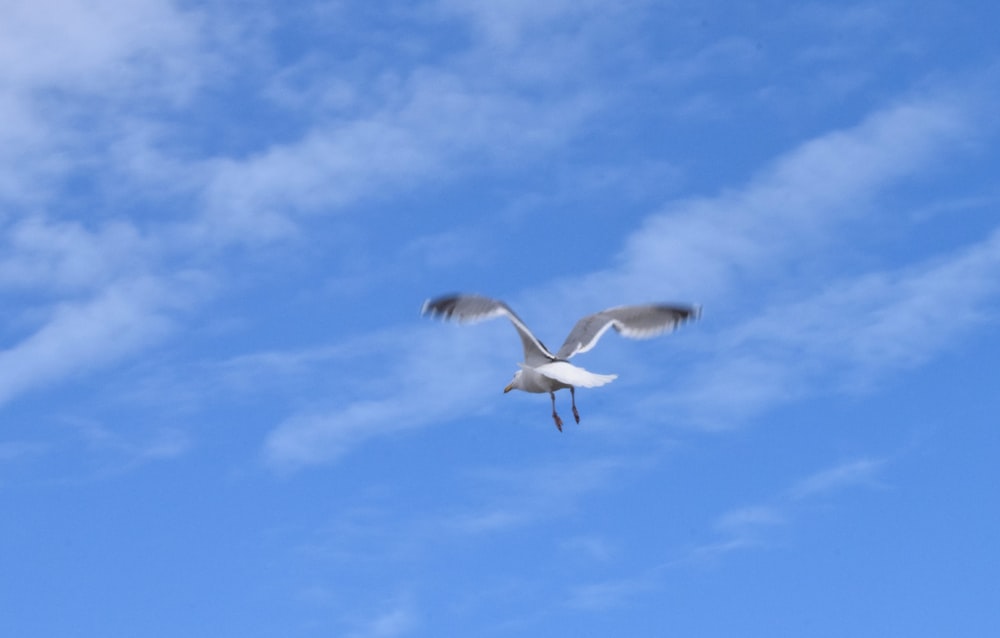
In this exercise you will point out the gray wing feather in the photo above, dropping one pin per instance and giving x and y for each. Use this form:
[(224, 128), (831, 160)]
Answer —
[(473, 308), (636, 322)]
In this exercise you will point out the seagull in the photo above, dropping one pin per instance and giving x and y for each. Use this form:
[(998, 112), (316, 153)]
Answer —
[(543, 371)]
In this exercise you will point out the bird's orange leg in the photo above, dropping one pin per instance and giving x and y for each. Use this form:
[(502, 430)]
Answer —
[(572, 394), (555, 417)]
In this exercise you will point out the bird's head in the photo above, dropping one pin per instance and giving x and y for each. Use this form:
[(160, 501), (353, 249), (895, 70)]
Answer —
[(515, 383)]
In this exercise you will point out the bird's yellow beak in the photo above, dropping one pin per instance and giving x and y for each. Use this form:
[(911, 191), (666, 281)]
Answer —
[(510, 386)]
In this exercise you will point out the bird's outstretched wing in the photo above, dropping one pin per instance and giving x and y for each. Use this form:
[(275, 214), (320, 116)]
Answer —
[(636, 322), (472, 308)]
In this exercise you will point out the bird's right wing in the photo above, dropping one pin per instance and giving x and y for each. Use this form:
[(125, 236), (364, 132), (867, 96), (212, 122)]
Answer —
[(636, 322), (473, 308)]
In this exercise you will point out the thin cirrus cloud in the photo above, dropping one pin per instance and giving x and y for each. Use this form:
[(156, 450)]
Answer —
[(501, 499), (742, 528), (58, 59), (94, 297), (397, 619), (845, 338), (700, 250), (751, 526), (524, 496), (423, 388), (434, 120), (420, 124), (430, 121), (40, 254), (746, 527), (84, 311), (80, 336), (74, 43)]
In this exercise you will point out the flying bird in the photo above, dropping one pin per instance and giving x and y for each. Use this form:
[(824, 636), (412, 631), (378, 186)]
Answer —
[(543, 371)]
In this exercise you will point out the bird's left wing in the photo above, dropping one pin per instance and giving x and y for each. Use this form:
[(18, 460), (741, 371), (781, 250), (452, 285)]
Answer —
[(472, 308), (636, 322)]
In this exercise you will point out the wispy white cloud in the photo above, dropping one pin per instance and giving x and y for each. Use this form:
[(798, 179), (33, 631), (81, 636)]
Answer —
[(449, 248), (844, 338), (116, 67), (424, 123), (74, 43), (511, 26), (40, 254), (77, 81), (15, 450), (743, 528), (893, 317), (861, 472), (595, 548), (496, 500), (311, 438), (398, 619), (524, 496), (84, 335), (71, 72), (424, 376), (435, 121), (754, 526), (702, 250), (758, 515), (82, 85), (110, 450), (607, 594), (113, 451)]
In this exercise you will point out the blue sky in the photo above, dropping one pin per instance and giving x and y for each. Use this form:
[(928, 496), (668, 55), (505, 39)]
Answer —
[(220, 410)]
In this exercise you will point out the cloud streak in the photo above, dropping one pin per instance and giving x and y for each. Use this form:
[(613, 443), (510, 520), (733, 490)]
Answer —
[(85, 335), (703, 248), (743, 528), (419, 385), (752, 526), (428, 131), (397, 620), (528, 495), (844, 338), (74, 73), (765, 351)]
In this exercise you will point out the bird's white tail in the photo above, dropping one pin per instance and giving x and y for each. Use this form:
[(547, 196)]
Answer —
[(570, 374)]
